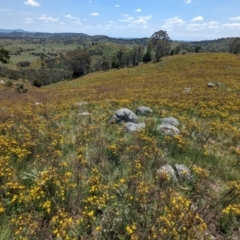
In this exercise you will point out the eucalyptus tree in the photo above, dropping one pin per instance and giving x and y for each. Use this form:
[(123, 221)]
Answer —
[(161, 44)]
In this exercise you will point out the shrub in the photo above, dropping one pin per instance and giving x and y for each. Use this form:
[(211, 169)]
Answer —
[(20, 88), (147, 57), (37, 83), (9, 84), (23, 64), (15, 75)]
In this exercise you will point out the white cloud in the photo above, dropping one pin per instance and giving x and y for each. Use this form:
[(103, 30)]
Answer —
[(69, 16), (72, 19), (211, 25), (203, 26), (117, 6), (47, 19), (28, 20), (32, 3), (126, 18), (134, 22), (235, 18), (188, 1), (142, 20), (77, 22), (138, 10), (171, 22), (193, 26), (94, 14), (232, 25), (196, 19)]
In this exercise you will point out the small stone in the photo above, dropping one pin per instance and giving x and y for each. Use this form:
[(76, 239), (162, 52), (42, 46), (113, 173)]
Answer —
[(183, 172), (142, 110), (2, 82), (170, 121), (187, 89), (83, 114), (210, 84), (167, 172)]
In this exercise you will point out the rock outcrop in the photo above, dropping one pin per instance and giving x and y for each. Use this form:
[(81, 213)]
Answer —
[(123, 115)]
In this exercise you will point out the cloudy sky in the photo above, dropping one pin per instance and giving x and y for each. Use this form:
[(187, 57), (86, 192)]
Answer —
[(182, 19)]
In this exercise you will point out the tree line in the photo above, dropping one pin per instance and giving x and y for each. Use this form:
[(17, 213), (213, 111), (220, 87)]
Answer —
[(76, 63)]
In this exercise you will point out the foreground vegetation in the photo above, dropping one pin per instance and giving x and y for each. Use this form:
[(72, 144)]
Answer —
[(67, 175)]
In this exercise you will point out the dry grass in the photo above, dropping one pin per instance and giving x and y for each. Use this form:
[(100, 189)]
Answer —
[(66, 176)]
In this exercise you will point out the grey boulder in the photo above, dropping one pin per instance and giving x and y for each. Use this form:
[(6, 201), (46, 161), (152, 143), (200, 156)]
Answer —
[(123, 115)]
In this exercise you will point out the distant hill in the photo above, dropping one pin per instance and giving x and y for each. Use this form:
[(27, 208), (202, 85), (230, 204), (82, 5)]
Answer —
[(18, 33), (11, 30), (216, 45)]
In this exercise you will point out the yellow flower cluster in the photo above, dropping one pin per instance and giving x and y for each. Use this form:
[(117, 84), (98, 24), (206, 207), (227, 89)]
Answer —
[(64, 175)]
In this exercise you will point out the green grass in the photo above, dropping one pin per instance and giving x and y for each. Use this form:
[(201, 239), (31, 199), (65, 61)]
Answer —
[(97, 181)]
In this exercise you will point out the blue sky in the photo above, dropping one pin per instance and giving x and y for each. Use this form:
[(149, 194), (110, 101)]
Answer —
[(182, 19)]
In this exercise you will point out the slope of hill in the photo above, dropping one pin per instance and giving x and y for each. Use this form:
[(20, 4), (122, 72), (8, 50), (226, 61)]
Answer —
[(67, 173)]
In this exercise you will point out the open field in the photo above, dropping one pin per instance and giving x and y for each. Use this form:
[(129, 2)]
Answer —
[(66, 174), (21, 50), (27, 47)]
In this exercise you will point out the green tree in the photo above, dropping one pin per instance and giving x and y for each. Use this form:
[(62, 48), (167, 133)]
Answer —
[(78, 62), (147, 57), (106, 63), (122, 58), (4, 55), (235, 46), (137, 55), (177, 49), (197, 49), (161, 44)]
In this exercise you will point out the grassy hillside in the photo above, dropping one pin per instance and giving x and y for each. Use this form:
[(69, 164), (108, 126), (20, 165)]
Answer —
[(22, 49), (68, 175)]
